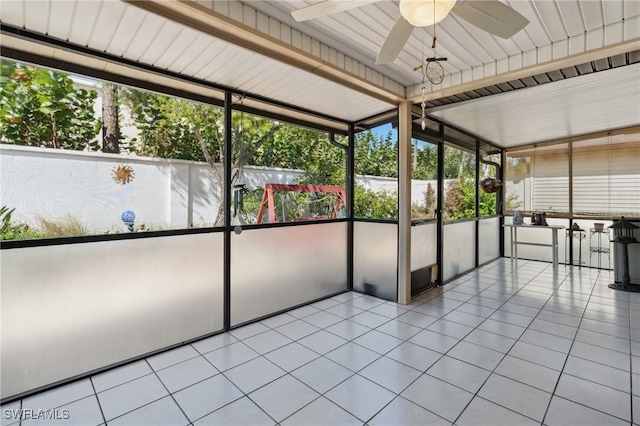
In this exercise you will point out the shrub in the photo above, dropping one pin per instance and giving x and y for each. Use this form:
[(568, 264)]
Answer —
[(460, 200), (14, 231), (425, 210), (374, 205)]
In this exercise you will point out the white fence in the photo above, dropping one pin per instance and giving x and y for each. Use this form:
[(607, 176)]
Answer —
[(164, 194)]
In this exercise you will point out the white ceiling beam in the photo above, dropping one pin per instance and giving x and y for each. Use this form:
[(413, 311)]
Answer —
[(568, 61), (210, 22)]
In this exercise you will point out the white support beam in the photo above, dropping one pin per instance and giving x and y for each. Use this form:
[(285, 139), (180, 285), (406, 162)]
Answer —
[(404, 203), (414, 95), (209, 21)]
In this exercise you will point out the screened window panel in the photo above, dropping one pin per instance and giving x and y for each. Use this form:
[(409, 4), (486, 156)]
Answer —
[(490, 168), (424, 179), (376, 168), (460, 181), (606, 176), (538, 179)]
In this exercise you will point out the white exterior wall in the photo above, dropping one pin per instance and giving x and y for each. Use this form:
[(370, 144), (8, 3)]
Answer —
[(56, 183), (165, 194)]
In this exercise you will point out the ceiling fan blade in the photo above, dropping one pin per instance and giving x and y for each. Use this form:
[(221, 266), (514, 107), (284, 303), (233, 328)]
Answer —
[(395, 41), (491, 16), (327, 7)]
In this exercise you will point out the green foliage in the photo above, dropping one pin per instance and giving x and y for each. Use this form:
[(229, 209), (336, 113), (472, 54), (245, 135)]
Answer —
[(5, 218), (329, 173), (299, 148), (168, 127), (250, 203), (49, 228), (376, 156), (14, 231), (20, 232), (460, 200), (458, 163), (427, 163), (42, 108), (488, 203), (375, 205), (165, 126), (459, 168)]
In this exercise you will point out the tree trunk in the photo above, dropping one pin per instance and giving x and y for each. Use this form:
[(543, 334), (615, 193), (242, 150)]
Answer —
[(110, 125)]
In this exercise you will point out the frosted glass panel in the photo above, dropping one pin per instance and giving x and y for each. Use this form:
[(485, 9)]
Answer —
[(70, 309), (375, 259), (273, 269), (459, 249), (489, 239), (423, 246)]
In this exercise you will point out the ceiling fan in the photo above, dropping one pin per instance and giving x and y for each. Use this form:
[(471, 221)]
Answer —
[(491, 16)]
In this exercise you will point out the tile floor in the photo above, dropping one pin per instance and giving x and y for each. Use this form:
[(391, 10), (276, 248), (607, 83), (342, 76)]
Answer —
[(508, 344)]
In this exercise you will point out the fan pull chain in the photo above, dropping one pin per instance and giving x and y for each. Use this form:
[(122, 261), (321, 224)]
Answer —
[(433, 44), (423, 105)]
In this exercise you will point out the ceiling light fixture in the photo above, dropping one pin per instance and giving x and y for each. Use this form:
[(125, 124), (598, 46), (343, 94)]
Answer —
[(422, 13)]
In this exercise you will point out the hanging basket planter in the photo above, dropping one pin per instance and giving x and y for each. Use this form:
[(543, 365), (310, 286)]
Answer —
[(490, 185)]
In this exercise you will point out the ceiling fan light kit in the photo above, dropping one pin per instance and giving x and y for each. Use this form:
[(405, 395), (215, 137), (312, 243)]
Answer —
[(492, 16), (422, 13)]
